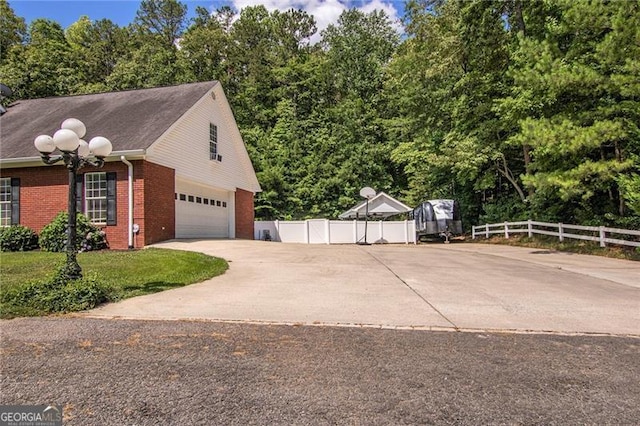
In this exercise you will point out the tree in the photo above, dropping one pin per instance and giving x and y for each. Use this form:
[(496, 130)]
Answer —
[(165, 18), (96, 47), (43, 67), (12, 30), (572, 110), (443, 84), (204, 46)]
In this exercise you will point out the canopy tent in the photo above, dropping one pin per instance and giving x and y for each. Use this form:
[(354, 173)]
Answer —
[(380, 206)]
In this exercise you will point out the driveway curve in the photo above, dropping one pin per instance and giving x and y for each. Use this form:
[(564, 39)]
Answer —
[(433, 287)]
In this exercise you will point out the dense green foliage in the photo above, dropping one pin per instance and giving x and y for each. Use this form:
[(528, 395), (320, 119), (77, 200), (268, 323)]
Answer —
[(137, 273), (519, 109), (55, 294), (18, 238), (53, 236)]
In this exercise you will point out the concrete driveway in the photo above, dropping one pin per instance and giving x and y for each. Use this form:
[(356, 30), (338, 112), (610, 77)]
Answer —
[(456, 286)]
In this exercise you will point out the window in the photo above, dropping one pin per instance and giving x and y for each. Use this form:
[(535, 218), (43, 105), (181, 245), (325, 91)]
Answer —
[(191, 198), (213, 142), (206, 201), (5, 201), (183, 197), (99, 203), (95, 197), (224, 204), (199, 200)]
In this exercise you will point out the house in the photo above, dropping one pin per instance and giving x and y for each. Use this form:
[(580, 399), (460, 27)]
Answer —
[(179, 167)]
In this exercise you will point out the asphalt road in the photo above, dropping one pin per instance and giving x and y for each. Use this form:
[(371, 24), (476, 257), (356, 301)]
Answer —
[(123, 372)]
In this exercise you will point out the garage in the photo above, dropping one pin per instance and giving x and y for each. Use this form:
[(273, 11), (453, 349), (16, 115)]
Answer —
[(202, 212)]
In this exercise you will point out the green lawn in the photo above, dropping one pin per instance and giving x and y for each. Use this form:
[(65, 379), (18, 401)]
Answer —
[(126, 273)]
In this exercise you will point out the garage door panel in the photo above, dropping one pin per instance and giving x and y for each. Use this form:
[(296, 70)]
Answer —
[(198, 214)]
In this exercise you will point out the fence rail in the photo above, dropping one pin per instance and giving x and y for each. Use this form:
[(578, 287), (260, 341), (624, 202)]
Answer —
[(560, 230), (323, 231)]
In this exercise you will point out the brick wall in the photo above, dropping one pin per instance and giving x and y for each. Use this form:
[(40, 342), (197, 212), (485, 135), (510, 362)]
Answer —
[(159, 203), (44, 193), (244, 214)]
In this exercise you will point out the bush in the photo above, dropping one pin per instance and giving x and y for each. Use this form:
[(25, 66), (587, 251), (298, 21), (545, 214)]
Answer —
[(18, 238), (53, 237), (57, 294)]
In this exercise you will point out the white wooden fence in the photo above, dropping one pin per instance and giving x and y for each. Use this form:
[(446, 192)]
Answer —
[(601, 234), (323, 231)]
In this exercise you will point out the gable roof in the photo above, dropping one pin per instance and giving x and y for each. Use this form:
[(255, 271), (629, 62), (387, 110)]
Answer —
[(382, 205), (131, 120)]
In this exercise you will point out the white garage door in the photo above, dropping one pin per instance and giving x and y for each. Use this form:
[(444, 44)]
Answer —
[(201, 212)]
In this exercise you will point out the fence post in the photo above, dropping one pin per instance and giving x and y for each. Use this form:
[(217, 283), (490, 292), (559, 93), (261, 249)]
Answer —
[(560, 232), (486, 228), (327, 230), (306, 231), (277, 225), (602, 237), (529, 228), (506, 230), (381, 229), (355, 231), (406, 231), (473, 232)]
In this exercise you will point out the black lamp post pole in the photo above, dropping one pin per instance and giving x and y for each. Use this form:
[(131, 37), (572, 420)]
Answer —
[(72, 268), (73, 162)]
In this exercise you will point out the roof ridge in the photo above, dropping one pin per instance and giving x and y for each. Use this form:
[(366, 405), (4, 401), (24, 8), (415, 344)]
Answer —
[(76, 95)]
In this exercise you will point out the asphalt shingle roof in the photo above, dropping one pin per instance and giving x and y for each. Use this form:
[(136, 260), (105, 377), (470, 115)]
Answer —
[(131, 120)]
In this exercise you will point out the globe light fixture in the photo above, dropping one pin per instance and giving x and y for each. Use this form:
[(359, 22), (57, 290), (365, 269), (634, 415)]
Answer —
[(76, 153)]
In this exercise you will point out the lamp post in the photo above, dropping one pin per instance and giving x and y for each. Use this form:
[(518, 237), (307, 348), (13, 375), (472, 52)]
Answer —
[(75, 153)]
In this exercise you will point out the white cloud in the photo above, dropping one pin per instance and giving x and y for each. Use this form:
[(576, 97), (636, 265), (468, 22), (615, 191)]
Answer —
[(325, 12)]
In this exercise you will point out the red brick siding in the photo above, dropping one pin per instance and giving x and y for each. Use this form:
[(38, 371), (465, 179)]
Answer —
[(44, 193), (159, 203), (244, 214)]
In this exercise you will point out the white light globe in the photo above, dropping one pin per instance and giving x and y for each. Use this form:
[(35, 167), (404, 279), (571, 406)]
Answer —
[(45, 143), (76, 125), (66, 140), (100, 146), (83, 149)]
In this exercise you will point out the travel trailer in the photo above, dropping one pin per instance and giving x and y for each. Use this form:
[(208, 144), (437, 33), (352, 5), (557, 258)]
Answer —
[(437, 218)]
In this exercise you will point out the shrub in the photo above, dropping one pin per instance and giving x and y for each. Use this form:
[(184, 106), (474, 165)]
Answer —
[(53, 237), (18, 238), (57, 294)]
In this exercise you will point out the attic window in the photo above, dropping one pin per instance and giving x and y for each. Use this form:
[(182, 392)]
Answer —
[(213, 143)]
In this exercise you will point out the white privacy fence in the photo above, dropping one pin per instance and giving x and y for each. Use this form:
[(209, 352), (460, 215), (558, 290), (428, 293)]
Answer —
[(601, 234), (323, 231)]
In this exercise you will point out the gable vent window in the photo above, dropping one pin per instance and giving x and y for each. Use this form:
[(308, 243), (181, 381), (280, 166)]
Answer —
[(213, 143), (9, 201)]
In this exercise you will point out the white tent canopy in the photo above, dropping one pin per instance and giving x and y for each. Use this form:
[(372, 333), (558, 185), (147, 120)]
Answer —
[(380, 206)]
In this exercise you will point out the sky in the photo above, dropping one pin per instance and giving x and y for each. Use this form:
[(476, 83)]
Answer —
[(123, 12)]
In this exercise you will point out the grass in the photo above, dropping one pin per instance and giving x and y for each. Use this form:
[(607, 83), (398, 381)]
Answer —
[(572, 246), (125, 273)]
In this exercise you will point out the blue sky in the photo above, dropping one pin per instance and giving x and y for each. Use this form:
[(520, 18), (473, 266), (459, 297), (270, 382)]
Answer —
[(123, 12)]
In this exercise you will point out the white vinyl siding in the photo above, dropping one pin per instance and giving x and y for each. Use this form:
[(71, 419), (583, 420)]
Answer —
[(95, 197), (185, 147), (5, 201)]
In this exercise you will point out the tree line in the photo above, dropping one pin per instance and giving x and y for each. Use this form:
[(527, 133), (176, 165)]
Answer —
[(517, 108)]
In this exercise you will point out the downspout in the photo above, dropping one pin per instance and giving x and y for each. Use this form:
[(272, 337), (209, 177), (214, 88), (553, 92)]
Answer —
[(130, 181)]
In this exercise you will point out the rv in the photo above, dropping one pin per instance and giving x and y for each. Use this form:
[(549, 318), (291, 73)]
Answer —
[(437, 218)]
